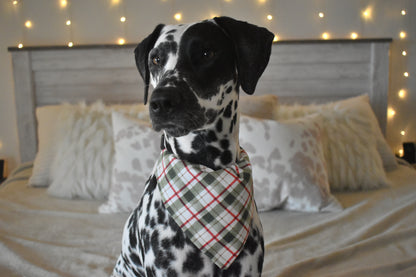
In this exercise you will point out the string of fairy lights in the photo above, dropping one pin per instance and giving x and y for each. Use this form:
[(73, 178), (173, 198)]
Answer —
[(366, 15)]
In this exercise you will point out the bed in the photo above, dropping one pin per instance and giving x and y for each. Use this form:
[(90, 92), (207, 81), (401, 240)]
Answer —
[(368, 229)]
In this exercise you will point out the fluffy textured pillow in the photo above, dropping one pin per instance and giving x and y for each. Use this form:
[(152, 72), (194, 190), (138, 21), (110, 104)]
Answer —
[(46, 117), (354, 143), (137, 147), (288, 164), (49, 127), (84, 154), (260, 106)]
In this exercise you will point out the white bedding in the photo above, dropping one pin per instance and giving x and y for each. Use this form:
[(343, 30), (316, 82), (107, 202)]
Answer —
[(375, 235)]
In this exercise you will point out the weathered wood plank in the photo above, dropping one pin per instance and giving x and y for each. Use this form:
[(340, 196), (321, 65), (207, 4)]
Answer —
[(87, 76), (313, 87), (320, 53), (380, 86), (25, 105), (317, 71), (83, 58), (108, 93)]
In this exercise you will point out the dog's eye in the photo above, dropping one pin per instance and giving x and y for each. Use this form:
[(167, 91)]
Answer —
[(156, 60), (208, 54)]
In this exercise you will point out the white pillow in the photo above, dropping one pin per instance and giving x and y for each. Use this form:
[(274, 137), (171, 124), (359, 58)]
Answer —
[(84, 154), (137, 148), (48, 126), (47, 121), (288, 164), (354, 142), (260, 106)]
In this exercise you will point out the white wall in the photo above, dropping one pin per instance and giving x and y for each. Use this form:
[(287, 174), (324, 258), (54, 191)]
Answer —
[(97, 21)]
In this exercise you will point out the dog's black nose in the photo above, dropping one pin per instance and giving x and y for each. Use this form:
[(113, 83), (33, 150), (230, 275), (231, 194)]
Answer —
[(164, 100)]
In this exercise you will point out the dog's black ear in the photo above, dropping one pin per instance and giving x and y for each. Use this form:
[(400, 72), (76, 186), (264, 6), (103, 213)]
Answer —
[(252, 46), (141, 54)]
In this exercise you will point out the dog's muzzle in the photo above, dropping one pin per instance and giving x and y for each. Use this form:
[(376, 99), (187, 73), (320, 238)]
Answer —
[(175, 109), (164, 101)]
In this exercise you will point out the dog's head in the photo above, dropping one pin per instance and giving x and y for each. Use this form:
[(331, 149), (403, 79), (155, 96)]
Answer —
[(194, 68)]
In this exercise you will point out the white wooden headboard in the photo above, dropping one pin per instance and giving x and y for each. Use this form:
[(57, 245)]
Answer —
[(299, 71)]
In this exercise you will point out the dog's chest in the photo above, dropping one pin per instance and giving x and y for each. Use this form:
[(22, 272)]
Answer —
[(162, 242), (154, 244)]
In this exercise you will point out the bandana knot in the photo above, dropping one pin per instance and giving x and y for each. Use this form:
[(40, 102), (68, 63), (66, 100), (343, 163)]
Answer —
[(214, 208)]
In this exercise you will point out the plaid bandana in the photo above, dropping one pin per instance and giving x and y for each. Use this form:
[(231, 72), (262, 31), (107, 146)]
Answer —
[(214, 208)]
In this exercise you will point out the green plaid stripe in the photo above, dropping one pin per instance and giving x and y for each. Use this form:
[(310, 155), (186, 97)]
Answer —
[(213, 207)]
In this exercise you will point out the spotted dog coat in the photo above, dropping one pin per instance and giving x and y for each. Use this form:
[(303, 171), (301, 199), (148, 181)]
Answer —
[(196, 71)]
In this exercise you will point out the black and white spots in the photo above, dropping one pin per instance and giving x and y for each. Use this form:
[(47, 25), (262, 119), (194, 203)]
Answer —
[(195, 71)]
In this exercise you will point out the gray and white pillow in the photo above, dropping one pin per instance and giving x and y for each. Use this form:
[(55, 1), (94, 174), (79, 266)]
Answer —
[(289, 170), (136, 147)]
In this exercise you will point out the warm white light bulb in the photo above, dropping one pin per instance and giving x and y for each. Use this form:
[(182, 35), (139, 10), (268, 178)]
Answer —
[(121, 41), (391, 112), (367, 13), (402, 93), (404, 53), (401, 152), (28, 24), (20, 45), (406, 74), (276, 38), (354, 35), (123, 19), (15, 2), (402, 133), (269, 17), (68, 22), (64, 3), (321, 15), (325, 35), (178, 16), (70, 44), (402, 34), (403, 12)]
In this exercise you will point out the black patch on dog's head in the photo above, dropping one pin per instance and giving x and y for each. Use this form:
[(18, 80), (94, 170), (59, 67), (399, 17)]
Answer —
[(206, 58), (252, 46)]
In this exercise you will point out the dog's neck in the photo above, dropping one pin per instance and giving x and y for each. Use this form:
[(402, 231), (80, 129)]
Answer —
[(216, 146)]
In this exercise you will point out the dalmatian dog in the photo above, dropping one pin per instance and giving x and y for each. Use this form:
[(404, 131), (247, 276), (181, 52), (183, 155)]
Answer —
[(196, 71)]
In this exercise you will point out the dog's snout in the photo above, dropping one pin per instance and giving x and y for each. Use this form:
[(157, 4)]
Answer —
[(164, 101)]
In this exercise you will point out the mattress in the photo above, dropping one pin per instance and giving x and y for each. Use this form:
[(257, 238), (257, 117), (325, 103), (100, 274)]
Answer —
[(375, 234)]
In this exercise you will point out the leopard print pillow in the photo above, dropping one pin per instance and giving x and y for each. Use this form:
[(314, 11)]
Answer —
[(137, 147)]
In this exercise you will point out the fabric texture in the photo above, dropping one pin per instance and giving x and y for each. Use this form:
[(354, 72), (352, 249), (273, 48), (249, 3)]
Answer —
[(137, 148), (289, 169), (373, 236), (84, 154), (355, 145), (214, 208), (46, 117), (84, 157), (261, 106), (49, 127)]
